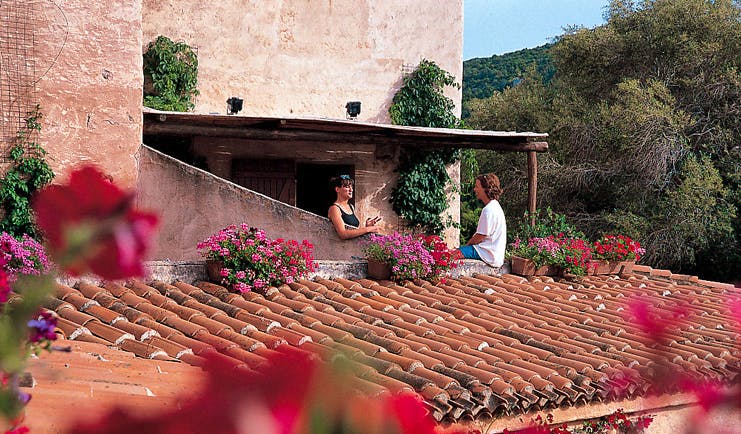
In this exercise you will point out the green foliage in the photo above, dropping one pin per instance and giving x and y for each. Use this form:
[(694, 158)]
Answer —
[(485, 75), (644, 121), (27, 174), (421, 102), (420, 194), (170, 75), (547, 223)]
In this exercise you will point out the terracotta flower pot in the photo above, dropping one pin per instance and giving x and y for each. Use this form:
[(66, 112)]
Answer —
[(378, 270), (526, 267), (604, 267), (213, 270), (627, 266)]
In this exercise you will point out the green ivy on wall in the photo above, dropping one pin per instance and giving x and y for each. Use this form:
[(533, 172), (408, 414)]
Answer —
[(170, 75), (28, 173), (419, 196)]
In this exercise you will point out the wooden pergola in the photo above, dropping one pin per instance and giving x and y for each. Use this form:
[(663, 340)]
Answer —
[(325, 130)]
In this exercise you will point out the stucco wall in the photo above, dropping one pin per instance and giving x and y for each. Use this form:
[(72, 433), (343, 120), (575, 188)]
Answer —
[(89, 59), (309, 57), (194, 204), (374, 178)]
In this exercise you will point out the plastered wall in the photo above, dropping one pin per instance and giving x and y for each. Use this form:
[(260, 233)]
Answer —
[(199, 204), (309, 57), (89, 87)]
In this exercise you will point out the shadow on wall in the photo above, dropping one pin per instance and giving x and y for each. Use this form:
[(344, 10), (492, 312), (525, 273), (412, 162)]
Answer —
[(193, 204)]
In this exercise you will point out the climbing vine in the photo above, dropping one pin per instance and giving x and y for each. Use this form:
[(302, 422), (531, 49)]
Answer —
[(170, 75), (419, 196), (28, 173)]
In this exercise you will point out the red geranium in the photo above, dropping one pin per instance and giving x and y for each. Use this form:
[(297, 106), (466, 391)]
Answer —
[(618, 248), (91, 225)]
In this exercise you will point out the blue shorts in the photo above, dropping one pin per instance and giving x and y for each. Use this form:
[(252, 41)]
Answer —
[(469, 252)]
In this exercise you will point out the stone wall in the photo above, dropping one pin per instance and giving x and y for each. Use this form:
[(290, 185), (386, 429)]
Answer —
[(90, 67), (194, 204), (309, 57)]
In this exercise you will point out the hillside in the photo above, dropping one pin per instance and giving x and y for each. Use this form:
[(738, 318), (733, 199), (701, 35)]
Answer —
[(483, 76)]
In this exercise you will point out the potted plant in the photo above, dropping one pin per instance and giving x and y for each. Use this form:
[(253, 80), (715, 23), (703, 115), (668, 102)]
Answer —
[(616, 252), (534, 257), (244, 258), (551, 255), (444, 258), (407, 257)]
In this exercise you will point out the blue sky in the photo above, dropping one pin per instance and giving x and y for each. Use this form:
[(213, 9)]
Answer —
[(502, 26)]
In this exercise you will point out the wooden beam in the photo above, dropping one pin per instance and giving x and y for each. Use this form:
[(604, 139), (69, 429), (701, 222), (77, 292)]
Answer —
[(504, 143), (532, 184)]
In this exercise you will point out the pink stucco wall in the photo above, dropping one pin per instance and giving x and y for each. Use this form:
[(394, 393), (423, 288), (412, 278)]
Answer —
[(89, 59), (309, 57), (194, 204)]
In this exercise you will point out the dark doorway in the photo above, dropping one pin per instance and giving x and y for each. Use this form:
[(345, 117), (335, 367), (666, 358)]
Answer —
[(313, 192), (273, 178)]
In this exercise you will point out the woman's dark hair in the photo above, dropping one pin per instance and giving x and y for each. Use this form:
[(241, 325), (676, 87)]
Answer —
[(490, 184), (341, 181)]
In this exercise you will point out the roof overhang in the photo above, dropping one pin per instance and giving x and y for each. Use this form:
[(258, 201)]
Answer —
[(336, 130)]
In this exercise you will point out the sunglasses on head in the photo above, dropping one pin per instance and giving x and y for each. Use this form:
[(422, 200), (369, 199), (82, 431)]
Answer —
[(345, 177)]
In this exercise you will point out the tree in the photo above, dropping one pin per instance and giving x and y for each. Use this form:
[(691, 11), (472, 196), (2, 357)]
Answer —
[(644, 118)]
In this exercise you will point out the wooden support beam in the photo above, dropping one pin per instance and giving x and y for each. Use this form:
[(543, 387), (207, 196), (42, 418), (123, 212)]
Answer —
[(532, 184), (376, 137)]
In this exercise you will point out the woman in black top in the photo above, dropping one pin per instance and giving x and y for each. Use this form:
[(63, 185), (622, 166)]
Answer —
[(342, 214)]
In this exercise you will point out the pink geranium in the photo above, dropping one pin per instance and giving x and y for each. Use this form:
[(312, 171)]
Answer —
[(249, 259)]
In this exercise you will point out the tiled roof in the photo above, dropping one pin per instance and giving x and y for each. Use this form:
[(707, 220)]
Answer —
[(85, 381), (472, 347)]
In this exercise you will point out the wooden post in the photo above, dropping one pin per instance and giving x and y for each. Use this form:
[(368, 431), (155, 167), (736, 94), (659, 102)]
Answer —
[(532, 184)]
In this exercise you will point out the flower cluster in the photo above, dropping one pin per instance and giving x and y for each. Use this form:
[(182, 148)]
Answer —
[(570, 254), (42, 328), (26, 256), (445, 258), (617, 248), (576, 255), (250, 260), (408, 258), (616, 422)]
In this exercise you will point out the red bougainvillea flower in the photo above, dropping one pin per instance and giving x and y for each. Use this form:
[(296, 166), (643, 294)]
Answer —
[(91, 226)]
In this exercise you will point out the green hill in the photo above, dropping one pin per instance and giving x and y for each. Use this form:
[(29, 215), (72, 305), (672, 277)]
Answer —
[(483, 76)]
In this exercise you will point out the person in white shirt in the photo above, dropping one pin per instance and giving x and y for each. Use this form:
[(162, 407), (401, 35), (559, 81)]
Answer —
[(490, 240)]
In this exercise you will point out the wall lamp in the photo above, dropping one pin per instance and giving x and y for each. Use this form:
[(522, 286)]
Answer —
[(234, 105), (353, 109)]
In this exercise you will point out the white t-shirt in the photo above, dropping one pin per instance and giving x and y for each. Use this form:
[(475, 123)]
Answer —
[(494, 227)]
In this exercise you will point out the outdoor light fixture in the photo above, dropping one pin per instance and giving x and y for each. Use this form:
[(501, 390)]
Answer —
[(353, 109), (234, 105)]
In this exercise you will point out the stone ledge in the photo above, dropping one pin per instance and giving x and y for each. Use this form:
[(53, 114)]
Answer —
[(192, 271)]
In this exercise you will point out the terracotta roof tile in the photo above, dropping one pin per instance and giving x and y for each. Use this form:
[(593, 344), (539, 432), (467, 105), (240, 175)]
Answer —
[(473, 346)]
